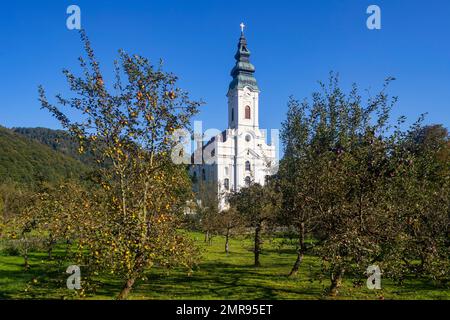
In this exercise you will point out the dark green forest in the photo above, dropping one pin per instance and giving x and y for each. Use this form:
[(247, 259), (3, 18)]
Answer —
[(58, 140), (29, 155)]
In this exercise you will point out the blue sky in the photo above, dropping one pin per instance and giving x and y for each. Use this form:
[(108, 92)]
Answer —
[(293, 43)]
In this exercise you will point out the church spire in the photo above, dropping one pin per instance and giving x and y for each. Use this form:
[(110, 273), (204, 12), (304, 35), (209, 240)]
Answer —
[(243, 70)]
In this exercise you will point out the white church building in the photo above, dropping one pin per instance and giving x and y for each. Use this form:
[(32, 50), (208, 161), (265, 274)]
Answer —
[(239, 155)]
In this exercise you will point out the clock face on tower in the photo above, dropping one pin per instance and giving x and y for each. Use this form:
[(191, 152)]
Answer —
[(247, 91)]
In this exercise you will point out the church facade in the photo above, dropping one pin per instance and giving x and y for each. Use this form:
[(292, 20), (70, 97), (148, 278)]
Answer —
[(239, 156)]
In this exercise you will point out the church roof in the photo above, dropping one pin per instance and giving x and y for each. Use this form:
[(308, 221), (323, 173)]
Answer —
[(223, 136), (243, 70)]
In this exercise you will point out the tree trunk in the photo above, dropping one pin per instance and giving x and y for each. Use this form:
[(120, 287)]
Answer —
[(336, 282), (26, 264), (124, 197), (126, 289), (50, 247), (227, 242), (301, 250), (207, 236), (257, 245), (296, 266), (210, 238)]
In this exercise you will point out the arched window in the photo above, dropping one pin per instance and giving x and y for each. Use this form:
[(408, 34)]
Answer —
[(247, 166), (247, 181), (203, 174), (232, 114), (226, 184), (247, 112)]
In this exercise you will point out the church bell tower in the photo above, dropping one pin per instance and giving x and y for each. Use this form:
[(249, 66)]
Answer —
[(243, 92)]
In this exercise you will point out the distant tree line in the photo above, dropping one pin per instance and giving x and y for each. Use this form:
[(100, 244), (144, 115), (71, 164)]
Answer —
[(59, 140), (28, 162)]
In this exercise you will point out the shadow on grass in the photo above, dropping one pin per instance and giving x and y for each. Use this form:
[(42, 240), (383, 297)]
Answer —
[(217, 276), (224, 281)]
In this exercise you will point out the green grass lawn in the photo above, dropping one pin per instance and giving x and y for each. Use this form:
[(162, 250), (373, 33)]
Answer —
[(217, 276)]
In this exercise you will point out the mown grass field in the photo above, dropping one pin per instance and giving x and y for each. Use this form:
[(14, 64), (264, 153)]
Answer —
[(217, 276)]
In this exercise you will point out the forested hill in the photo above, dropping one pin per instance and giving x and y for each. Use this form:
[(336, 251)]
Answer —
[(58, 140), (26, 160)]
